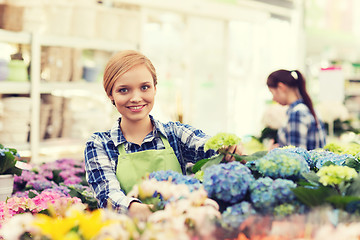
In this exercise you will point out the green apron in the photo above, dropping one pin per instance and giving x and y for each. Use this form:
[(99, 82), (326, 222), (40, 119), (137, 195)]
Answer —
[(132, 167)]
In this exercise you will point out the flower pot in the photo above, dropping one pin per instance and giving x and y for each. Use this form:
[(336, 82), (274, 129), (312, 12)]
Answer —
[(6, 186), (17, 71)]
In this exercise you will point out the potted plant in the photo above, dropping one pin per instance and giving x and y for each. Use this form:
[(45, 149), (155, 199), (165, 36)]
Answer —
[(8, 159)]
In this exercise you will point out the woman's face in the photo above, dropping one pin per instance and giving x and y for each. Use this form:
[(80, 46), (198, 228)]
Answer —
[(134, 93), (279, 95)]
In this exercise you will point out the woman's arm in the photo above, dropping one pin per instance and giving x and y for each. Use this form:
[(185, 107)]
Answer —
[(100, 166), (297, 129), (192, 142)]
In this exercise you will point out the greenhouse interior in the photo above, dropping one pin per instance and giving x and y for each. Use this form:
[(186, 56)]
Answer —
[(111, 126)]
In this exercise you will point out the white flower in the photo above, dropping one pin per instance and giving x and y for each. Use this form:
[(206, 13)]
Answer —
[(274, 116), (13, 228), (331, 111)]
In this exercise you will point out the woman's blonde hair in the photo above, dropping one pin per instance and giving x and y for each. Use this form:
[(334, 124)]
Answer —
[(122, 62)]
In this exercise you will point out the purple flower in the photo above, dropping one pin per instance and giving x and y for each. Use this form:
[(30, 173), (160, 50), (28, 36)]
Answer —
[(228, 182), (266, 193)]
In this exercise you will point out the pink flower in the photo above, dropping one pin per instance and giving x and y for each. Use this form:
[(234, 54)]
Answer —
[(44, 198)]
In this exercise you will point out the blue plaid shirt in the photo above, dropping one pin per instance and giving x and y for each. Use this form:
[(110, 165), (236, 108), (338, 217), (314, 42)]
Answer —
[(101, 156), (301, 129)]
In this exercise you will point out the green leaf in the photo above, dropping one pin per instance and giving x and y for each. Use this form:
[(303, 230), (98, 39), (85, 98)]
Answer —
[(213, 161), (353, 163), (7, 162), (56, 176), (303, 183), (313, 196), (32, 195), (85, 198), (253, 157), (328, 163), (45, 212), (311, 177), (199, 164), (354, 189), (15, 170), (342, 201)]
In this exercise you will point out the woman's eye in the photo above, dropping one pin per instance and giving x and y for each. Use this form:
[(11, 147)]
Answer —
[(145, 87), (123, 90)]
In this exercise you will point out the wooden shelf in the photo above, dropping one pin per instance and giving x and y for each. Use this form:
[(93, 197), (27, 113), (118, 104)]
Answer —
[(64, 88), (7, 87), (82, 43), (15, 37), (70, 88)]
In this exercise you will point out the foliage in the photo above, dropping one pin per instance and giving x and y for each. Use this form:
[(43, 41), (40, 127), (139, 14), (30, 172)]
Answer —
[(252, 145), (349, 148), (220, 142), (338, 186), (279, 184), (268, 133), (63, 176), (8, 159)]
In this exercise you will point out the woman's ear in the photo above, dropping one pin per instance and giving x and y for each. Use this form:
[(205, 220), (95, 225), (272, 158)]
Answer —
[(112, 100), (282, 86)]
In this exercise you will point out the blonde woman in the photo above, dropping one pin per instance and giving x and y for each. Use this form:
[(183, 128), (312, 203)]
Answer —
[(137, 144)]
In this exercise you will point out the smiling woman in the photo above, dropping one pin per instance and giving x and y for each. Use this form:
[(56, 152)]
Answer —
[(137, 144), (133, 95)]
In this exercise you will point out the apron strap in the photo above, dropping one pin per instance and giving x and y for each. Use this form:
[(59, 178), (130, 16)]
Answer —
[(166, 143)]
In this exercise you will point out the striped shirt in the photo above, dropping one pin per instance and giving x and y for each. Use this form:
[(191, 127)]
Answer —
[(301, 129), (101, 156)]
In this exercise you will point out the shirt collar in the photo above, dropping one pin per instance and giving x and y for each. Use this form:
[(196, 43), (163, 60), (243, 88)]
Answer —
[(292, 105), (118, 138)]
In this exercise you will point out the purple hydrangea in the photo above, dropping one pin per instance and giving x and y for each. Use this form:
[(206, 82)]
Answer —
[(298, 150), (281, 163), (228, 182), (61, 190), (266, 193), (41, 177), (68, 168), (176, 178), (234, 215), (31, 180), (25, 194), (320, 157), (40, 184)]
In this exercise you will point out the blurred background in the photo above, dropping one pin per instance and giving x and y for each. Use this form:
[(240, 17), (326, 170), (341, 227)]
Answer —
[(212, 58)]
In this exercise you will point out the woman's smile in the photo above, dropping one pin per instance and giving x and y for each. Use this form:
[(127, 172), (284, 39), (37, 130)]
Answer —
[(137, 108), (134, 94)]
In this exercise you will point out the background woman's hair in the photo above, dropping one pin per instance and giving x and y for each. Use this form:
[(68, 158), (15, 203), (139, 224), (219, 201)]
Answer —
[(122, 62), (293, 79)]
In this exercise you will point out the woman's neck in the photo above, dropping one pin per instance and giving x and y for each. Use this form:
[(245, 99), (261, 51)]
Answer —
[(293, 96), (136, 131)]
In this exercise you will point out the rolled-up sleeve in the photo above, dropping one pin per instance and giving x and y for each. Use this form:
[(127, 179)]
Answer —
[(192, 142)]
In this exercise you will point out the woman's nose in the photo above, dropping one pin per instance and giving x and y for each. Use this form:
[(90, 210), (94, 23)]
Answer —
[(136, 96)]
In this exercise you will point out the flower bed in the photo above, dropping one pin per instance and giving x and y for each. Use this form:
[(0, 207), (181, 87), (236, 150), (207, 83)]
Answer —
[(287, 193)]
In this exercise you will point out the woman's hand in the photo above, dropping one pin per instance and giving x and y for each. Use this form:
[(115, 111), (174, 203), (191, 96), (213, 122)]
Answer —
[(272, 145), (235, 149), (140, 211)]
